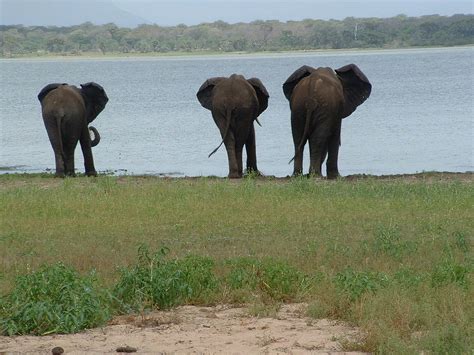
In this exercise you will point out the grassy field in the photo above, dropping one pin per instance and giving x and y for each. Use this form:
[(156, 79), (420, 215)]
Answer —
[(393, 256)]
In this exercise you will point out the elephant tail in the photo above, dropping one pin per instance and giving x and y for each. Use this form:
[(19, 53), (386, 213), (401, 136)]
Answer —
[(228, 117), (306, 133)]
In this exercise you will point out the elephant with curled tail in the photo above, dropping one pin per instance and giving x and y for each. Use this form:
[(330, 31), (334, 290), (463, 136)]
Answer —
[(67, 112), (235, 103), (319, 99)]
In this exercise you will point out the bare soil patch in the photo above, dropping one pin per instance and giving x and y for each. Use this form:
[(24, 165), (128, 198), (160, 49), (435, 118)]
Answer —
[(191, 329), (42, 182)]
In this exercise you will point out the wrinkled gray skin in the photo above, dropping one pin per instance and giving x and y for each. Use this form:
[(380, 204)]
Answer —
[(235, 104), (319, 100), (67, 111)]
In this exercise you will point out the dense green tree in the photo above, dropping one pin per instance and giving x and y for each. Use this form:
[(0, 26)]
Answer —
[(395, 32)]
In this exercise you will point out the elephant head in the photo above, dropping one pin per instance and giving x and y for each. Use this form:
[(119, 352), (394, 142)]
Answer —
[(356, 87), (95, 99)]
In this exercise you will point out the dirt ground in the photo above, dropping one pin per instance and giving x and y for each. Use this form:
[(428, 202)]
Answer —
[(24, 180), (192, 330)]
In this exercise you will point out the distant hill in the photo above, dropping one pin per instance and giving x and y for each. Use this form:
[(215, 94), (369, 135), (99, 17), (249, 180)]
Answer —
[(64, 13)]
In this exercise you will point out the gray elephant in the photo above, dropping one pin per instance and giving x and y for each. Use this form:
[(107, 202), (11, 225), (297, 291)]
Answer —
[(235, 104), (319, 100), (67, 112)]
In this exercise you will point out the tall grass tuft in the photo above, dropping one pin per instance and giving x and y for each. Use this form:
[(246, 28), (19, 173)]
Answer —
[(267, 280)]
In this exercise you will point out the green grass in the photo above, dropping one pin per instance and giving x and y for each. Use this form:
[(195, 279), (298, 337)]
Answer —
[(392, 256), (54, 299)]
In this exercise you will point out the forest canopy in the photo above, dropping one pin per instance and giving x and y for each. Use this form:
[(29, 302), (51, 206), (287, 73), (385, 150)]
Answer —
[(395, 32)]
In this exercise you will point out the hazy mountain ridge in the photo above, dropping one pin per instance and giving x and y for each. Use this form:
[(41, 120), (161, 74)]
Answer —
[(64, 13)]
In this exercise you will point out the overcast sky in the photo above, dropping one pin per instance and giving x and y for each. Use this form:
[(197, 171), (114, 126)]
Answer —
[(169, 12)]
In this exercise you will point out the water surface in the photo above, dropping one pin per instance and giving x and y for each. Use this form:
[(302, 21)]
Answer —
[(419, 116)]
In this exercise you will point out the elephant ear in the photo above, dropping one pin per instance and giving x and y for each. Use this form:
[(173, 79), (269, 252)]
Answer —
[(262, 94), (356, 87), (204, 93), (95, 99), (45, 91), (295, 78)]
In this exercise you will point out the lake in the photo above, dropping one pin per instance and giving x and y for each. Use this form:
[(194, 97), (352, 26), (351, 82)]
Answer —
[(419, 116)]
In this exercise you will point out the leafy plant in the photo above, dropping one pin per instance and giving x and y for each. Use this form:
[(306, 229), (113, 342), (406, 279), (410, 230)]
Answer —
[(54, 299), (388, 241), (450, 272), (157, 282), (355, 283)]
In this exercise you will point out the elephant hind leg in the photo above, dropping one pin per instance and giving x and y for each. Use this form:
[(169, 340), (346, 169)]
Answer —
[(318, 148), (251, 150), (238, 156), (70, 137), (230, 147), (69, 167), (297, 130), (54, 136)]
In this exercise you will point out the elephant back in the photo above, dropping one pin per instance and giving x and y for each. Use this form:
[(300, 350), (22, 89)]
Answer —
[(47, 89)]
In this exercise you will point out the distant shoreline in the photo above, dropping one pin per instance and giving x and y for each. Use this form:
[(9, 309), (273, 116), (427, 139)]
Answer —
[(236, 54)]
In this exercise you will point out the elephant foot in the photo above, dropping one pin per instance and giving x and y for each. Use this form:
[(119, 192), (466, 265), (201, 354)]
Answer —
[(253, 172), (234, 176), (60, 175), (333, 176), (316, 176), (91, 173)]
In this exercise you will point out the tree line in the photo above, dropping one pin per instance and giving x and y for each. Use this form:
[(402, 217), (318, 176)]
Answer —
[(395, 32)]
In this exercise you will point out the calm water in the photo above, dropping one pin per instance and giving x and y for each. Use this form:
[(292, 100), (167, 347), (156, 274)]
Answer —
[(419, 116)]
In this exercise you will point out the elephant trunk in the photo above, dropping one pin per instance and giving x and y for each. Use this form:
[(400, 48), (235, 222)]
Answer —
[(95, 134), (228, 117)]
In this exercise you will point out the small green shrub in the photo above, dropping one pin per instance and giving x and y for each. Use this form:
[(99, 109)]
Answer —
[(157, 282), (355, 283), (389, 242), (461, 242), (55, 299), (408, 278), (450, 271)]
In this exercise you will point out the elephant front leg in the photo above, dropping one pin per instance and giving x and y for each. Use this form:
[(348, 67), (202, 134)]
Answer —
[(251, 150), (87, 153), (333, 152)]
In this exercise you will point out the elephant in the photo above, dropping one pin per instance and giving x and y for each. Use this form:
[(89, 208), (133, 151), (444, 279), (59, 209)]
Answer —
[(67, 111), (235, 103), (319, 99)]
